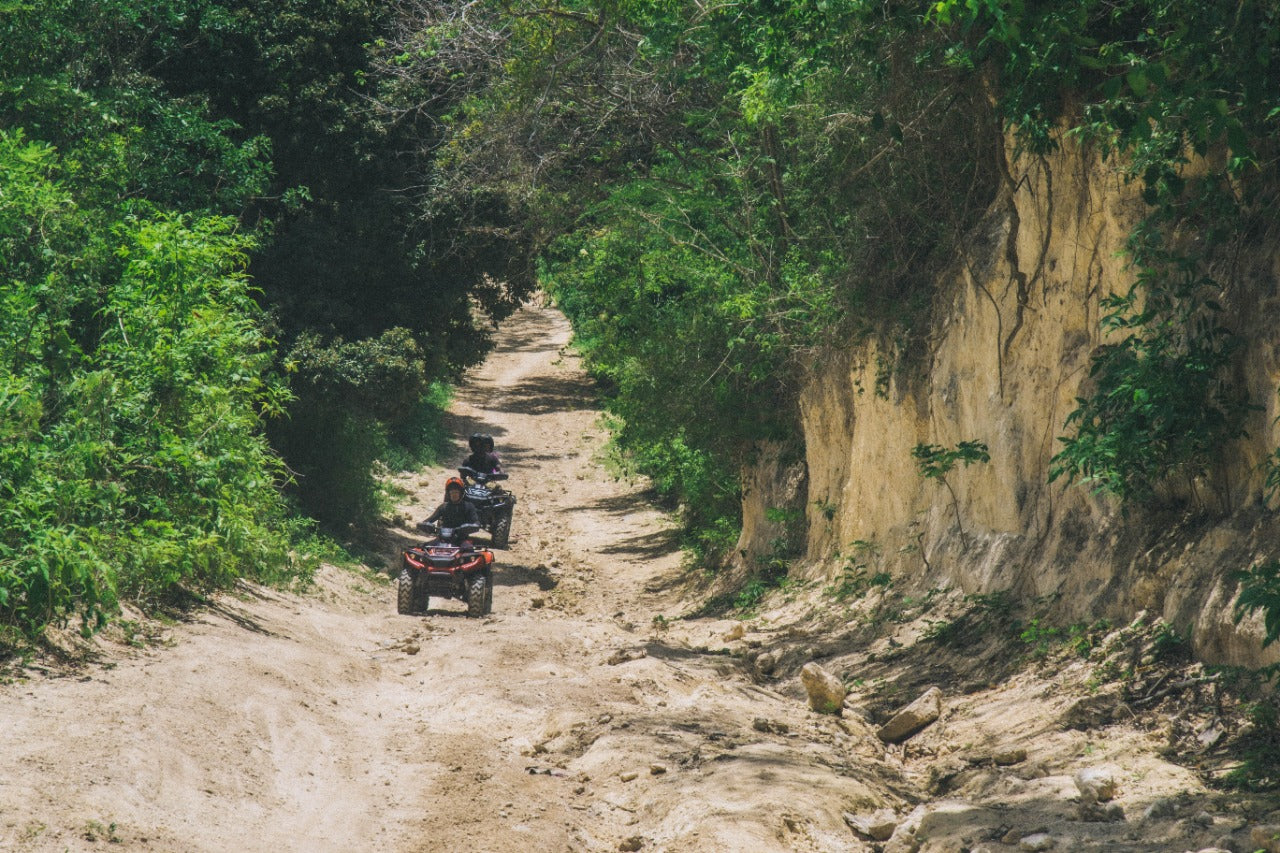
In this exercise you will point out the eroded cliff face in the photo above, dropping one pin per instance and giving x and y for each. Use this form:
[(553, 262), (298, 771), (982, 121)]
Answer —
[(1011, 341)]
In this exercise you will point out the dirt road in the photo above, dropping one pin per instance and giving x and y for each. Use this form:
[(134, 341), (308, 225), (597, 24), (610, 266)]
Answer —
[(583, 715), (568, 720)]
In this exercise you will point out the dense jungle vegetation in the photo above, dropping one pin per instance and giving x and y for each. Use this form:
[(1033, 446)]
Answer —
[(246, 243)]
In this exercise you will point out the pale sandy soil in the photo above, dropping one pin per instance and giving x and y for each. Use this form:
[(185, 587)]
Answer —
[(568, 720)]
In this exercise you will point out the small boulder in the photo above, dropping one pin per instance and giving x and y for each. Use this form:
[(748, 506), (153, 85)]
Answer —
[(774, 727), (913, 718), (1096, 784), (1101, 812), (766, 663), (1162, 807), (1009, 757), (1036, 841), (826, 692), (626, 656), (1266, 837), (878, 826)]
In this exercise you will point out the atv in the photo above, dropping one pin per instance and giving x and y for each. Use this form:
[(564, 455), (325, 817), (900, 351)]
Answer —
[(494, 503), (449, 566)]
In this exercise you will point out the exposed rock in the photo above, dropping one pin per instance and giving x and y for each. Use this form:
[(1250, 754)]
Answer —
[(626, 656), (1009, 757), (766, 663), (1209, 737), (1033, 770), (631, 844), (1096, 784), (1092, 711), (657, 769), (629, 775), (772, 727), (913, 718), (1037, 841), (945, 822), (903, 839), (878, 826), (826, 692), (945, 776), (1101, 813)]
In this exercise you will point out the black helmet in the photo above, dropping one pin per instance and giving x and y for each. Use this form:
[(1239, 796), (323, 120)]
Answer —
[(475, 442), (488, 442)]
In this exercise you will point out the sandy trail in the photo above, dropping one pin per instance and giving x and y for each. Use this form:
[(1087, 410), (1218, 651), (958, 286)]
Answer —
[(570, 719), (325, 721)]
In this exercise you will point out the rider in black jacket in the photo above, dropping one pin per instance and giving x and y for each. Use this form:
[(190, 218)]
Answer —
[(482, 459), (454, 512)]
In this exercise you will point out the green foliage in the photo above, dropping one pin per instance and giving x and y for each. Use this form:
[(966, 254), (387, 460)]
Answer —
[(860, 573), (1271, 478), (985, 617), (134, 381), (1162, 405), (349, 397), (771, 573), (1150, 76), (1155, 83), (1081, 638), (1260, 591), (935, 462), (278, 113), (724, 192), (1255, 751)]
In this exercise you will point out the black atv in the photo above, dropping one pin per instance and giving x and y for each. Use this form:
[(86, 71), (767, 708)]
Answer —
[(494, 504)]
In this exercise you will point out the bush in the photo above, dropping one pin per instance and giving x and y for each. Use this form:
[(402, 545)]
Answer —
[(134, 377)]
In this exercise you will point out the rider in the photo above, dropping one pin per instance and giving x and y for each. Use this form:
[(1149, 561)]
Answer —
[(455, 512), (482, 459)]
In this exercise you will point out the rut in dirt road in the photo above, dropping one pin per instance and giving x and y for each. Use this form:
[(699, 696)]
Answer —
[(568, 720)]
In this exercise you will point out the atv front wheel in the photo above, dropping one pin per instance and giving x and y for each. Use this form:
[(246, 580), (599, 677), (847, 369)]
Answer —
[(488, 595), (421, 598), (404, 597), (501, 530), (477, 589)]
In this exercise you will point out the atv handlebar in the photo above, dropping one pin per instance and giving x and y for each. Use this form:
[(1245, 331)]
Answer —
[(480, 478), (462, 531)]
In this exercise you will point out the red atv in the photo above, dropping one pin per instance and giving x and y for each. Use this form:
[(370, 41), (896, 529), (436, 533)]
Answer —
[(450, 566)]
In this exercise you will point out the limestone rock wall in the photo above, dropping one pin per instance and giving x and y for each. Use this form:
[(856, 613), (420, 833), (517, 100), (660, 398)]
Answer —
[(1010, 349)]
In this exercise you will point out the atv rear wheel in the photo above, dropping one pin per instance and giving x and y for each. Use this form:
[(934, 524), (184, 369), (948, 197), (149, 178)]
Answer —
[(478, 590), (404, 596), (501, 530)]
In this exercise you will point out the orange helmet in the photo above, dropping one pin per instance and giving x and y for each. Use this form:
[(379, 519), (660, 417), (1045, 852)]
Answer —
[(454, 483)]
